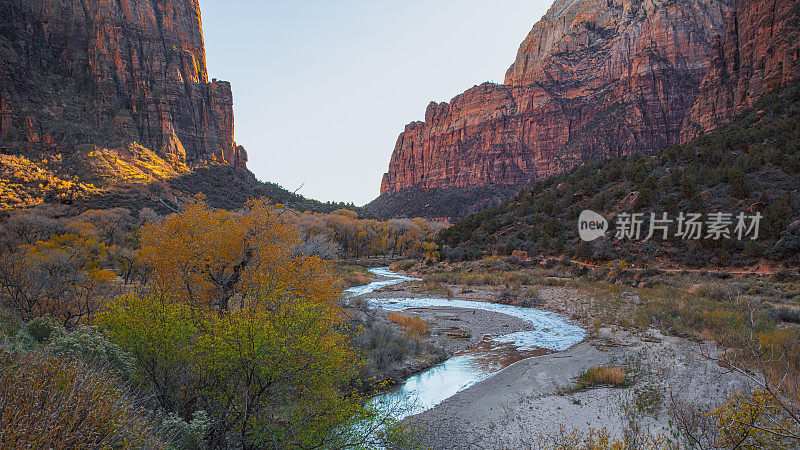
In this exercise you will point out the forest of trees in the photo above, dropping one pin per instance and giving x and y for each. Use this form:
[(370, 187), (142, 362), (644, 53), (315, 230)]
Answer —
[(347, 236), (206, 326)]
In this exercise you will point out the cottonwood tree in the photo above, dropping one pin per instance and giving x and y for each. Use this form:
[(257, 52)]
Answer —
[(208, 256), (237, 323)]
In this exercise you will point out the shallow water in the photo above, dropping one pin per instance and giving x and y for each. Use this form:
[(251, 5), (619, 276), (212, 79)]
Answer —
[(427, 389), (393, 278), (552, 331)]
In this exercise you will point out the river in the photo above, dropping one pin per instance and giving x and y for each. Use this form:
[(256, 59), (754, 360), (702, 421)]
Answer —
[(551, 332)]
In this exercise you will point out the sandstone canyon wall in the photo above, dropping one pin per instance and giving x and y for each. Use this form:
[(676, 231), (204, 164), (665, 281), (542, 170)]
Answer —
[(593, 79), (759, 53), (108, 73)]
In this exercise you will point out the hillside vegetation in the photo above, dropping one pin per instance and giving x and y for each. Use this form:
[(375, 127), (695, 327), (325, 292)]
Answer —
[(750, 165), (453, 203), (134, 177)]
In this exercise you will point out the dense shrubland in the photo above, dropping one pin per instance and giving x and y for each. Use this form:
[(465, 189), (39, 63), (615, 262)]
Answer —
[(343, 233), (203, 328), (453, 203)]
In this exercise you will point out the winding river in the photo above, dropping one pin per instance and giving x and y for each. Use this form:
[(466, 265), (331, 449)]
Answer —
[(551, 332)]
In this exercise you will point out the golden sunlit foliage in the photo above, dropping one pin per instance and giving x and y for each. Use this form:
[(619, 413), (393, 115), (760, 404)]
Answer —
[(25, 183), (207, 256), (67, 178), (131, 163), (240, 325)]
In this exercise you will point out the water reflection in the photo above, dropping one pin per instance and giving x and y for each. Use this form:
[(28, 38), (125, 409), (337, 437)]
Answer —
[(478, 362), (550, 330), (467, 367), (390, 278)]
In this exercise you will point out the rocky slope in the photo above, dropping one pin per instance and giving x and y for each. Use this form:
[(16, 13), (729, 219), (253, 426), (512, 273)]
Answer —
[(106, 74), (759, 53), (749, 165), (451, 203), (593, 79)]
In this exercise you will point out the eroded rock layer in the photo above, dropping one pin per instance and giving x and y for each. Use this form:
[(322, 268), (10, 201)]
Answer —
[(593, 79), (108, 73), (759, 53)]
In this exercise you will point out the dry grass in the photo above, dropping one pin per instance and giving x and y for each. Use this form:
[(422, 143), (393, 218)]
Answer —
[(49, 402), (402, 265), (431, 288), (714, 291), (599, 376), (352, 275), (414, 326)]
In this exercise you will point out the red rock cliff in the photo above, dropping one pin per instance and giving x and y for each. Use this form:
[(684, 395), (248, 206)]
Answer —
[(111, 72), (593, 79), (759, 53)]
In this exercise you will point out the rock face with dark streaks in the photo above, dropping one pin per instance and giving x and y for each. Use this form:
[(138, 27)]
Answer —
[(759, 53), (593, 79), (109, 73)]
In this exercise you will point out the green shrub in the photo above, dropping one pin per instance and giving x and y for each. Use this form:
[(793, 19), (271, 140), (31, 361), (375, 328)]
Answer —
[(403, 436), (42, 329), (93, 347), (740, 187), (187, 435), (10, 324), (269, 377), (22, 341)]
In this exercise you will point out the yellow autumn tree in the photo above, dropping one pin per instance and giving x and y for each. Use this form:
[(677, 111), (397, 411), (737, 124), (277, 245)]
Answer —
[(208, 256), (755, 420), (241, 325)]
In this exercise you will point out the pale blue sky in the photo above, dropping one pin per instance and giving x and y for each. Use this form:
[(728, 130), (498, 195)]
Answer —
[(323, 88)]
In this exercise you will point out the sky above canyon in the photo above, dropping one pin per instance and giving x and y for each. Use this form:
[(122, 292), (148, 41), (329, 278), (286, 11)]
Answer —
[(323, 88)]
